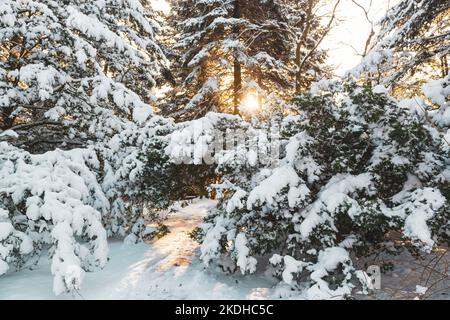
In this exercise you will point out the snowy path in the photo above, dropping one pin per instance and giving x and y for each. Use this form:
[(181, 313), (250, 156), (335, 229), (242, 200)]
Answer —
[(173, 270), (168, 268)]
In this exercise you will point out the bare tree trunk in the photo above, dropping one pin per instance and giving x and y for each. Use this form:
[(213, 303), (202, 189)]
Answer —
[(237, 73), (300, 43), (372, 26), (444, 66), (297, 63), (260, 96), (302, 61), (237, 85)]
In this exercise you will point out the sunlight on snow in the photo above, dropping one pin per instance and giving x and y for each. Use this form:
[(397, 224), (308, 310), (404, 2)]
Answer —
[(258, 294)]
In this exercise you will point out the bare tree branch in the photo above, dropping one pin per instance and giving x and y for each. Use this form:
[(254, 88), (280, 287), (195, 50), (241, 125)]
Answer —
[(372, 28), (28, 125), (327, 30)]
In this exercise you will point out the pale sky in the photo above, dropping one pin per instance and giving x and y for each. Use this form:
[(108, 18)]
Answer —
[(352, 29), (161, 5)]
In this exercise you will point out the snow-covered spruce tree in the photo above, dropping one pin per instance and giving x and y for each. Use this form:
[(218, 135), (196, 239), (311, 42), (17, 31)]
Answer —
[(354, 165), (65, 67), (411, 48), (229, 49)]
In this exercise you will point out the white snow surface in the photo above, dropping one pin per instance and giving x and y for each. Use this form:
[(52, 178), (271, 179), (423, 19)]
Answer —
[(170, 268), (167, 268)]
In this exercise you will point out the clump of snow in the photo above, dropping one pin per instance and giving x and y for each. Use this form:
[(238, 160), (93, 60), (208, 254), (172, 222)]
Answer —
[(291, 267), (422, 206), (380, 89), (6, 229), (421, 290), (328, 260), (372, 62), (437, 91), (210, 247), (9, 133), (243, 261), (334, 196), (268, 189), (235, 201)]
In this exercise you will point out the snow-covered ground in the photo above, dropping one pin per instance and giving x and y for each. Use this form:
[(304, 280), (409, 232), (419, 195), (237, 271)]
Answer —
[(167, 268)]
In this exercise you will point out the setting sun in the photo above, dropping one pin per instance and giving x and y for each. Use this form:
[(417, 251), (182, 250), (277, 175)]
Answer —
[(250, 103)]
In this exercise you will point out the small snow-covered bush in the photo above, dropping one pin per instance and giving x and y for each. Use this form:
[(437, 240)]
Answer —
[(52, 200), (353, 166)]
